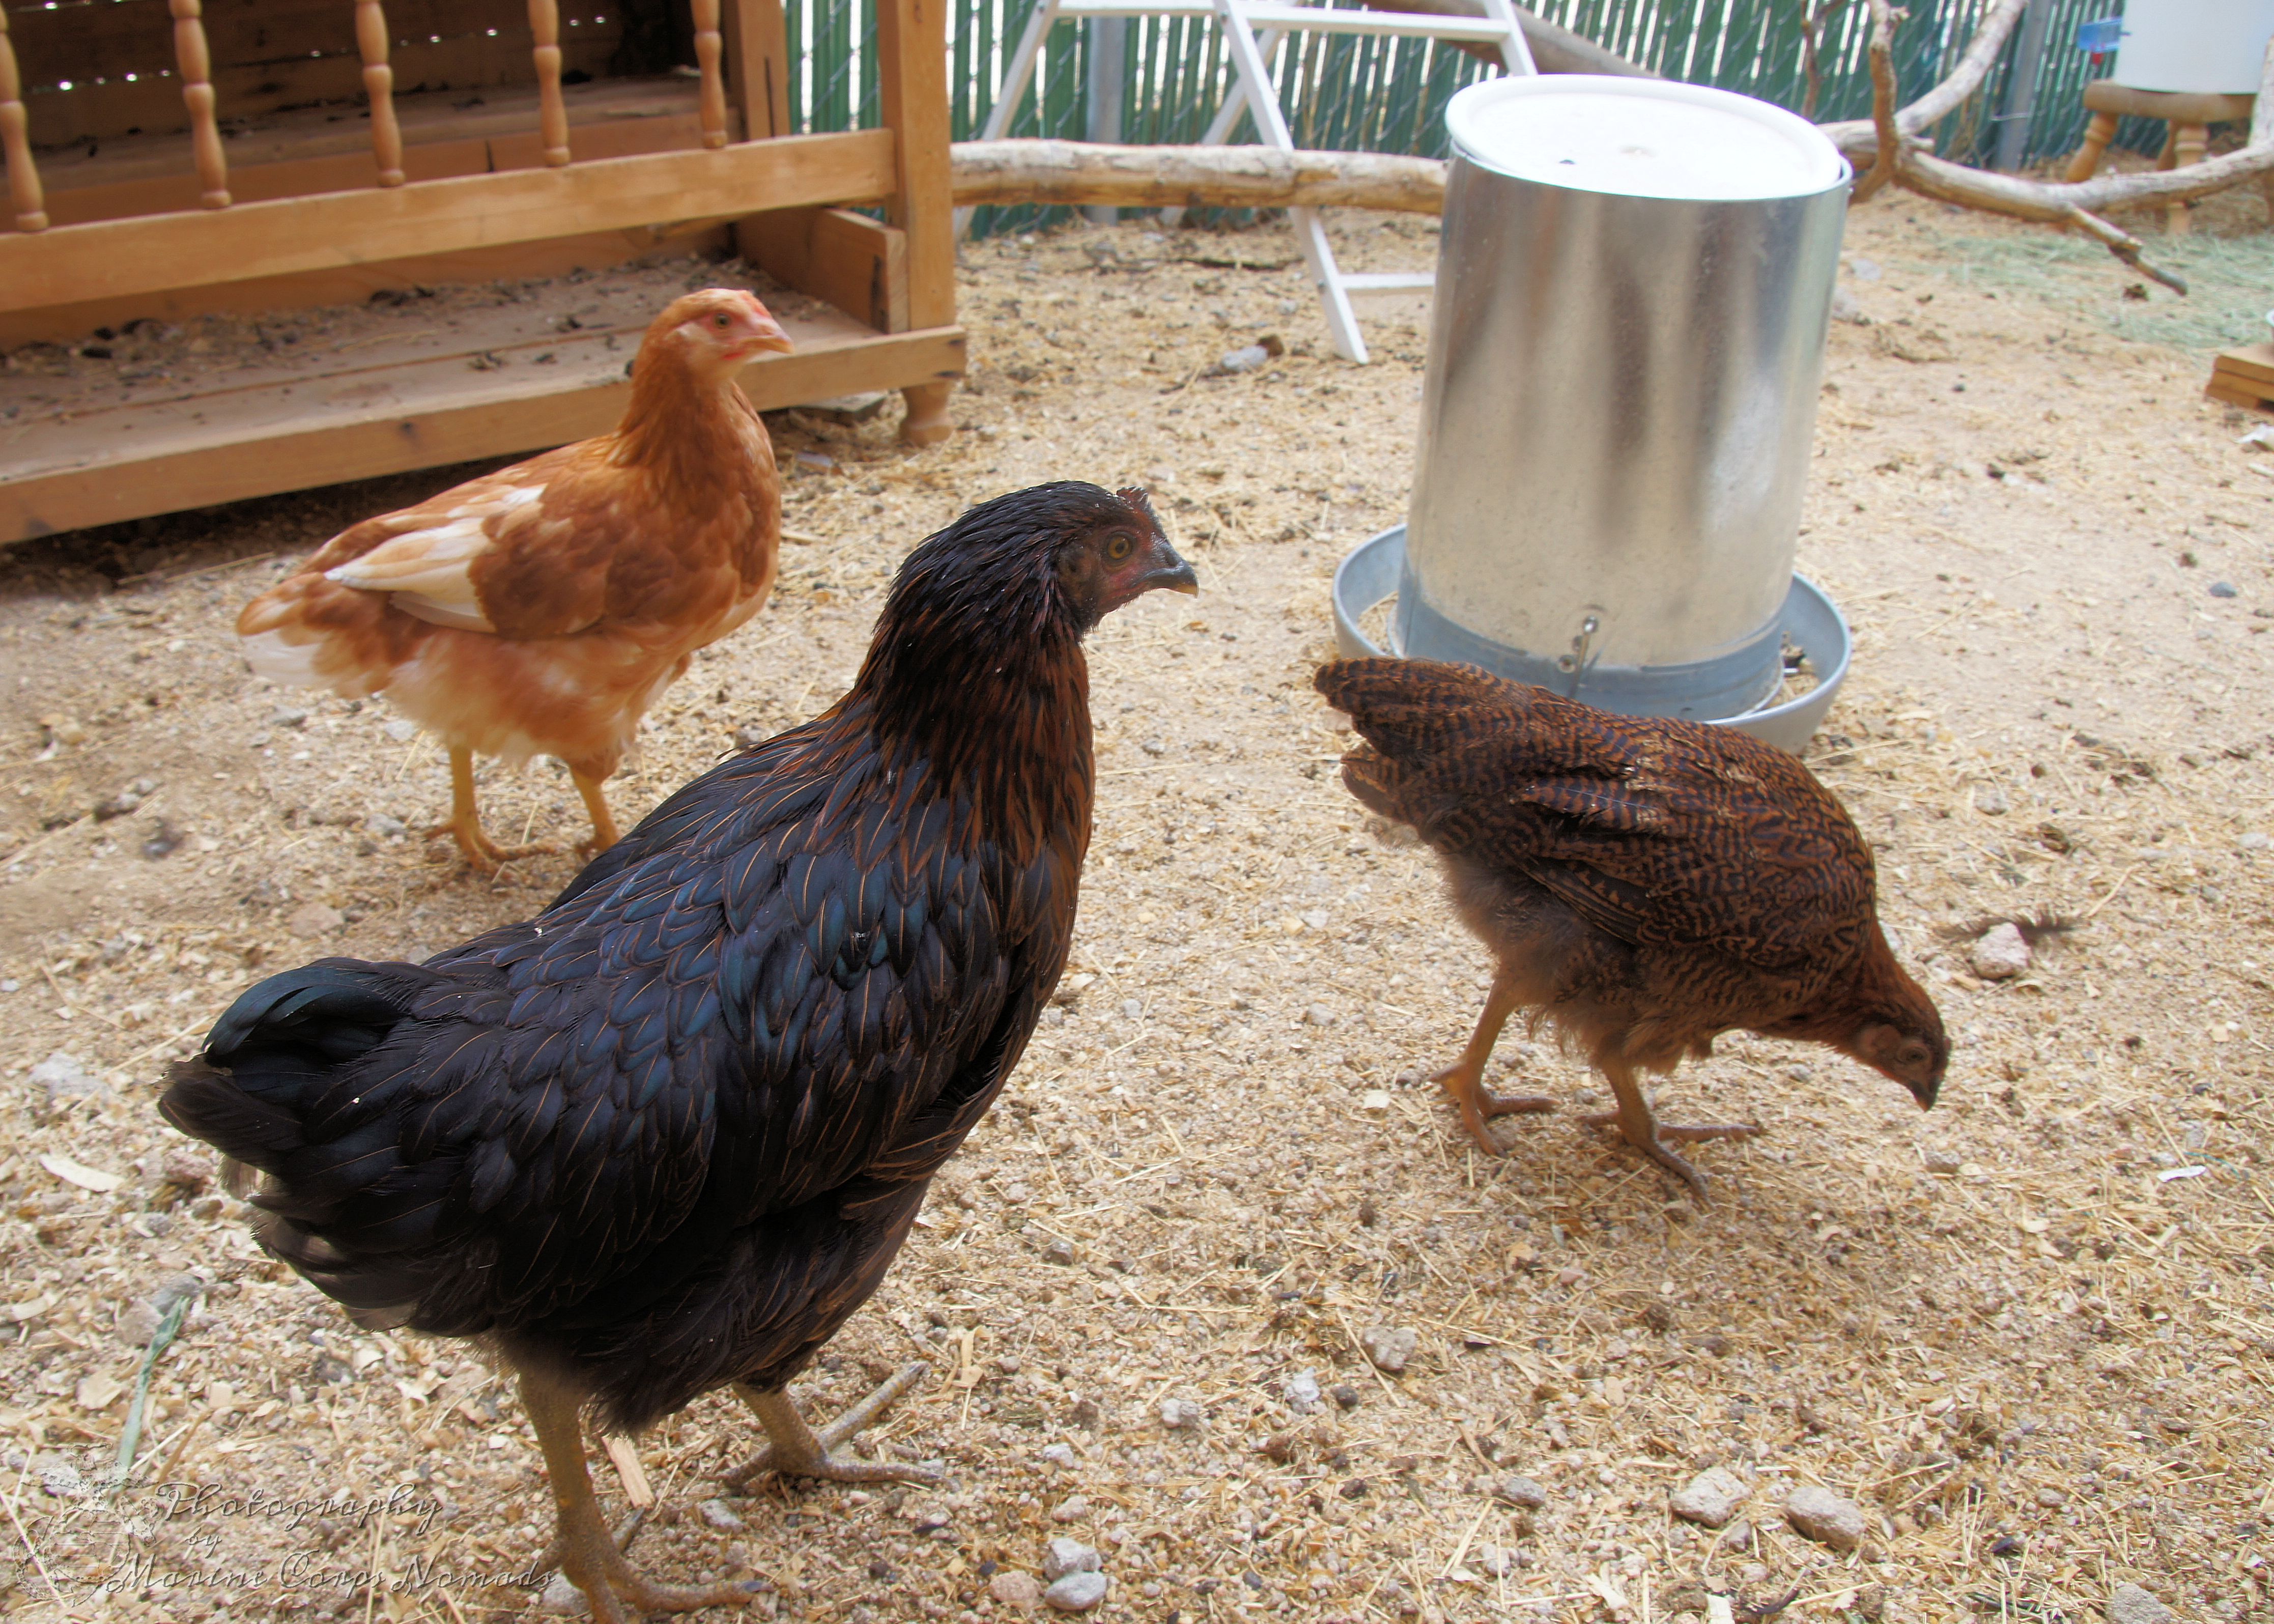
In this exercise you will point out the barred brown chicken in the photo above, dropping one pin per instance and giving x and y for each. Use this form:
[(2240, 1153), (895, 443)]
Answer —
[(1643, 885)]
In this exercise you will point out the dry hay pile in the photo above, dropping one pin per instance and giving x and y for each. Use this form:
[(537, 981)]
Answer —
[(2027, 1335)]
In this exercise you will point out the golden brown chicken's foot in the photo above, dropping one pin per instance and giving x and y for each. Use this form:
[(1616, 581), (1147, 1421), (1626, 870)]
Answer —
[(796, 1450), (596, 803), (587, 1553), (465, 824), (1640, 1125), (1465, 1079)]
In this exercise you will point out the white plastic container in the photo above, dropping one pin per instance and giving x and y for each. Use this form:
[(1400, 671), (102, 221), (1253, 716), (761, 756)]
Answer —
[(2203, 47)]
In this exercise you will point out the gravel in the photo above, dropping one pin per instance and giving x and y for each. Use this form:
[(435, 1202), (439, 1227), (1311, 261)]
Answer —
[(719, 1515), (1181, 1415), (1301, 1391), (1522, 1492), (1021, 1591), (1819, 1514)]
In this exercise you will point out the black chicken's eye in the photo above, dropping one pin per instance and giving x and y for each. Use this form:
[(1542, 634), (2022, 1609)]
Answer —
[(1118, 548)]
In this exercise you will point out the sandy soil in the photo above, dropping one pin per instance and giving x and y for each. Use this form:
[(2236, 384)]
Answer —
[(2029, 1335)]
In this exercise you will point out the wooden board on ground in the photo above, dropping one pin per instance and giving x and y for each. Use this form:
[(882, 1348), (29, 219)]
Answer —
[(2253, 364)]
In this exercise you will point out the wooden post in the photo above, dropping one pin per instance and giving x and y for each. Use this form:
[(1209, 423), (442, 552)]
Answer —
[(709, 49), (379, 87), (198, 96), (553, 112), (16, 141), (911, 52), (757, 58)]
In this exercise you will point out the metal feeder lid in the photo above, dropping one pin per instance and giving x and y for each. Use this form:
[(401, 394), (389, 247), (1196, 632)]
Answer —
[(1641, 139)]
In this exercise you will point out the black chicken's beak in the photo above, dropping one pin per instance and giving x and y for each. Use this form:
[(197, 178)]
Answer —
[(1164, 567)]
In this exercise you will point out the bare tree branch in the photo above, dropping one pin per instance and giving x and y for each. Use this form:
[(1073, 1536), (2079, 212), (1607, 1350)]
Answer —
[(1859, 137), (1884, 122), (1081, 172)]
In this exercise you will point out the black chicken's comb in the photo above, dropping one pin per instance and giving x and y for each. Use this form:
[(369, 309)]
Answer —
[(1134, 495)]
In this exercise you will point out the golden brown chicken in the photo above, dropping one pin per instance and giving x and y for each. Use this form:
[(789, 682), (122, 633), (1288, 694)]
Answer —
[(542, 608), (1643, 885)]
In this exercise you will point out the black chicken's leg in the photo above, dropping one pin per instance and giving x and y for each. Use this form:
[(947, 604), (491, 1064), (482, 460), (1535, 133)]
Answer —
[(587, 1553), (796, 1450), (1465, 1079), (1640, 1126)]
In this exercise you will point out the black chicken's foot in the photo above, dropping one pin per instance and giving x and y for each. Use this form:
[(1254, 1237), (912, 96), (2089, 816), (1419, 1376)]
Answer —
[(795, 1450), (625, 1532), (587, 1553)]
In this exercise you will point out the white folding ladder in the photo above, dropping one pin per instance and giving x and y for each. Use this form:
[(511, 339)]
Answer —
[(1255, 29)]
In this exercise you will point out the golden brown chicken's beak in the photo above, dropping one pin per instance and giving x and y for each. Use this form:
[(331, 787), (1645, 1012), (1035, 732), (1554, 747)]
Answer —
[(765, 333)]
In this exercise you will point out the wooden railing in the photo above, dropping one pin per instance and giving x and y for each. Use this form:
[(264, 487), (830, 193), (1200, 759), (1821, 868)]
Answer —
[(195, 62)]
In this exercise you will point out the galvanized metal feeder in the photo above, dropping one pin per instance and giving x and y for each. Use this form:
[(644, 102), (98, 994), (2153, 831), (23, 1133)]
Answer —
[(1632, 294)]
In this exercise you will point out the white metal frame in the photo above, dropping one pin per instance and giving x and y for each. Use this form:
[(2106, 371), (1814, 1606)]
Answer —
[(1255, 29)]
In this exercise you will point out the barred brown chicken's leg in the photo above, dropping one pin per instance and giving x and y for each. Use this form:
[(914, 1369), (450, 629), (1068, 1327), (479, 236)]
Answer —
[(587, 1551), (1465, 1079), (1642, 1129), (465, 824), (796, 1450), (596, 802)]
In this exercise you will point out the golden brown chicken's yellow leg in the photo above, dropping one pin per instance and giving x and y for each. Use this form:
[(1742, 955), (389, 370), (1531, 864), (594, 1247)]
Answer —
[(1640, 1126), (1465, 1079), (465, 824), (587, 1553), (796, 1450), (596, 802)]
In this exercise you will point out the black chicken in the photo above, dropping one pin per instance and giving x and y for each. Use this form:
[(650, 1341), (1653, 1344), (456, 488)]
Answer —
[(668, 1135)]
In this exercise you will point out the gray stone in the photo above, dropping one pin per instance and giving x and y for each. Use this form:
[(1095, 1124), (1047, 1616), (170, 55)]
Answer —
[(1522, 1492), (2128, 1603), (1389, 1346), (1073, 1508), (1319, 1015), (2000, 954), (311, 920), (1246, 359), (1845, 308), (1060, 1250), (1943, 1161), (1066, 1556), (1301, 1390), (2223, 589), (1863, 269), (1133, 1008), (1059, 1454), (562, 1596), (1821, 1516), (1710, 1499), (384, 826), (1990, 801), (1078, 1593), (720, 1516), (1181, 1415)]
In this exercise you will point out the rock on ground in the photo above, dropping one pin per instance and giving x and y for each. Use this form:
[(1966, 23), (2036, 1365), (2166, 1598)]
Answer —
[(2001, 953), (1066, 1556), (1825, 1517), (1077, 1593), (1016, 1590), (1710, 1499), (1523, 1492), (2128, 1603), (1388, 1346)]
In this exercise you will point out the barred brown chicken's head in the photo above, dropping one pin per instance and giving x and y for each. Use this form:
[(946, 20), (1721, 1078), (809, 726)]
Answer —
[(1910, 1047)]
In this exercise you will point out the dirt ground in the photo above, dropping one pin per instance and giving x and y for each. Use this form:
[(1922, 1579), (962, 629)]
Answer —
[(2028, 1333)]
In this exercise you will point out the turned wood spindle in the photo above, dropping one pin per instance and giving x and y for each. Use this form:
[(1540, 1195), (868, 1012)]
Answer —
[(16, 141), (553, 112), (710, 48), (198, 96), (379, 87)]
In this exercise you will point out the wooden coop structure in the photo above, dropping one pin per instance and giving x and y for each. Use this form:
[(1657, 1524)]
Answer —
[(171, 159)]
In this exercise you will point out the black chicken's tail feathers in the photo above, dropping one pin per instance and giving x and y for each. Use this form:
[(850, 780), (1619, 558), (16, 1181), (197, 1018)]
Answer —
[(267, 1061)]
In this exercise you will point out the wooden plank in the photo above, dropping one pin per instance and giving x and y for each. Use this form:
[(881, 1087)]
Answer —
[(153, 105), (294, 438), (121, 257), (592, 251), (912, 51), (857, 264), (2252, 361), (2233, 396)]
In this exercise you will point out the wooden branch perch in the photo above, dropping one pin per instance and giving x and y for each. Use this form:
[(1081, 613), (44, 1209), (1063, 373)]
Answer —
[(1082, 172)]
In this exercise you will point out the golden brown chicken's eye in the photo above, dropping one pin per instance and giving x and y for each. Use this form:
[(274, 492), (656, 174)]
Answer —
[(1118, 548), (719, 321)]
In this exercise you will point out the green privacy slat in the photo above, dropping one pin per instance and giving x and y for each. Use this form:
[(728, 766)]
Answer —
[(1353, 92)]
